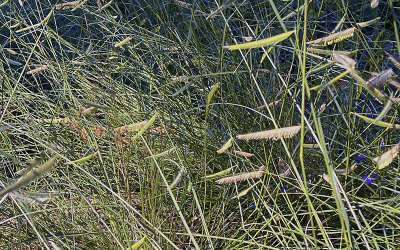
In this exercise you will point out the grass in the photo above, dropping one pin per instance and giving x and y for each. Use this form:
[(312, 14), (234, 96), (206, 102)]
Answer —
[(121, 183)]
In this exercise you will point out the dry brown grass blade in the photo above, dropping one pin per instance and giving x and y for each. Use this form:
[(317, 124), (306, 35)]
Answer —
[(183, 4), (242, 177), (87, 111), (334, 38), (269, 105), (273, 134), (67, 5), (386, 158), (284, 169), (37, 70), (344, 60), (380, 78)]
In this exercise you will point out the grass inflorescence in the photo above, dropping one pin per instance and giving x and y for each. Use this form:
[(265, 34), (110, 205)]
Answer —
[(121, 121)]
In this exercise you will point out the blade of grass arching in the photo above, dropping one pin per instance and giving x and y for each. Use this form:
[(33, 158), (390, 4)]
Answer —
[(210, 95), (85, 158), (385, 110), (260, 43), (29, 177), (148, 124), (38, 24), (173, 198), (378, 123), (327, 84), (137, 244), (344, 220)]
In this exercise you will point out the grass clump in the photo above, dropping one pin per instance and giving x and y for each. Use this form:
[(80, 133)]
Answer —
[(135, 99)]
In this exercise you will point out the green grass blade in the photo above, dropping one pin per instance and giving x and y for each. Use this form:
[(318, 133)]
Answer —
[(29, 177), (260, 43)]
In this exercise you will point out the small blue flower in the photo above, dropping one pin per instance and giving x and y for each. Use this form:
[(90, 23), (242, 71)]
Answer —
[(254, 206), (382, 143), (368, 178), (73, 30), (359, 158), (283, 188)]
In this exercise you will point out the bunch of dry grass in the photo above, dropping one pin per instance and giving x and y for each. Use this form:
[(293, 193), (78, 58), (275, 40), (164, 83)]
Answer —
[(386, 158), (273, 134), (242, 177)]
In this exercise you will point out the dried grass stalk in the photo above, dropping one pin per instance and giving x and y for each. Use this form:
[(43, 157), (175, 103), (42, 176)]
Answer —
[(34, 71), (380, 78), (28, 199), (393, 83), (273, 134), (67, 5), (87, 111), (245, 154), (284, 169), (12, 52), (269, 105), (386, 158), (320, 109), (242, 177), (183, 4), (131, 127), (344, 60), (334, 38), (178, 78)]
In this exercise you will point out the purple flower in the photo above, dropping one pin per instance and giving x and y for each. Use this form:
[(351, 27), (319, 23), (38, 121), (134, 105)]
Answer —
[(368, 178), (359, 158), (382, 143), (283, 188), (254, 206)]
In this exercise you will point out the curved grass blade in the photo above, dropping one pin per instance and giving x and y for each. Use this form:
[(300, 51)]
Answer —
[(210, 95), (385, 110), (244, 192), (137, 244), (260, 43), (123, 42), (221, 173), (29, 177), (38, 24), (367, 23), (378, 123), (85, 158), (325, 85), (225, 147), (177, 179), (148, 124)]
